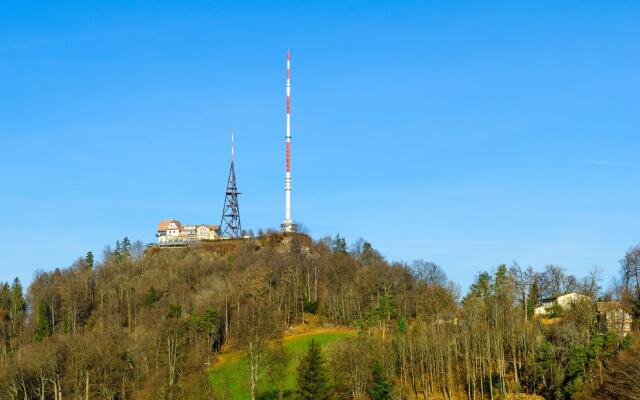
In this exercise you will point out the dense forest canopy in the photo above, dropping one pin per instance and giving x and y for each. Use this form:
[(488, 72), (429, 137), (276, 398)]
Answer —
[(150, 324)]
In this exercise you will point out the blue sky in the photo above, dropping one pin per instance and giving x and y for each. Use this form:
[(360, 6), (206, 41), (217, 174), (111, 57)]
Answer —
[(466, 133)]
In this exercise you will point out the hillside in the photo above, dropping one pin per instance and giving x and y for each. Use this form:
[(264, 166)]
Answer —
[(180, 323)]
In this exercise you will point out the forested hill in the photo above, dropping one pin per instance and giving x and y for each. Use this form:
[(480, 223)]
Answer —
[(151, 325)]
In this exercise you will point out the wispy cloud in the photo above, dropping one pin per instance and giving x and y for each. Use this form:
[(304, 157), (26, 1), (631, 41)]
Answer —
[(605, 163)]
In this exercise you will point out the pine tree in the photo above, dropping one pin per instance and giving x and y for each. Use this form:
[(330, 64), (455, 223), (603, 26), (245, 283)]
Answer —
[(368, 253), (5, 297), (611, 343), (401, 326), (500, 278), (151, 296), (126, 246), (18, 306), (5, 317), (381, 387), (312, 375), (385, 310), (339, 245), (43, 322), (482, 286), (89, 259)]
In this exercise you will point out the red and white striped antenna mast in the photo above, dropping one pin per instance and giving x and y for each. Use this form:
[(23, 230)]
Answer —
[(287, 224)]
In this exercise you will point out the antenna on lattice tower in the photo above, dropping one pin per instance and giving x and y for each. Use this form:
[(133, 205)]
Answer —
[(230, 222)]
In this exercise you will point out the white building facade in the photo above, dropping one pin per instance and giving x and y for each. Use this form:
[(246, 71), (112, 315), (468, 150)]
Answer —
[(565, 301), (172, 232)]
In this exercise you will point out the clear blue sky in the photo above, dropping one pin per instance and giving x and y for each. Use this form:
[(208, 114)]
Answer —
[(466, 133)]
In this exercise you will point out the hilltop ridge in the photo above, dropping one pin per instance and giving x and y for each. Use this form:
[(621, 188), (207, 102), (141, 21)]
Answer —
[(151, 325)]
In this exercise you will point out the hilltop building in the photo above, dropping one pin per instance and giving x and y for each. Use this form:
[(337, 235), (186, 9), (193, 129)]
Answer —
[(565, 301), (172, 232)]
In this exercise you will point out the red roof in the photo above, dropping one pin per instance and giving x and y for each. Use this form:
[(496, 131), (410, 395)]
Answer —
[(164, 224)]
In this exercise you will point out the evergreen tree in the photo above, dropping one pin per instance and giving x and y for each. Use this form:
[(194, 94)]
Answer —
[(5, 297), (43, 322), (368, 321), (544, 360), (18, 305), (384, 311), (611, 343), (500, 278), (368, 253), (5, 317), (312, 375), (17, 298), (626, 342), (89, 259), (209, 324), (386, 308), (594, 351), (5, 312), (577, 361), (126, 246), (482, 286), (380, 388), (339, 245), (123, 249), (151, 296), (401, 326)]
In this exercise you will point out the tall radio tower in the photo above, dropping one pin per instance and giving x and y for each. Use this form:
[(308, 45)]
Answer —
[(287, 224), (230, 222)]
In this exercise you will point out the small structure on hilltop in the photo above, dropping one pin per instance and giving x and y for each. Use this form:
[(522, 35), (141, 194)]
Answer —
[(172, 233), (612, 316), (563, 301), (230, 221)]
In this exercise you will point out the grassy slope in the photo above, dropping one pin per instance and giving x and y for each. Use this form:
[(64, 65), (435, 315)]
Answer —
[(232, 370)]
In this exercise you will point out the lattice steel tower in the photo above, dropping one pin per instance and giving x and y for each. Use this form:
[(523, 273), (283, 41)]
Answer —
[(230, 222)]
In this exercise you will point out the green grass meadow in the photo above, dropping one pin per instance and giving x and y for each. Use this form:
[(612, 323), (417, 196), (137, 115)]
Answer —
[(230, 379)]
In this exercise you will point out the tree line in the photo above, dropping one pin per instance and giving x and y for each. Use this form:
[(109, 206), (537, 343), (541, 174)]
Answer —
[(148, 325)]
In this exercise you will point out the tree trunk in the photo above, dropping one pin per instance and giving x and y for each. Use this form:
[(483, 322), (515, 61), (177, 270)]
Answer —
[(253, 371), (226, 315), (515, 369)]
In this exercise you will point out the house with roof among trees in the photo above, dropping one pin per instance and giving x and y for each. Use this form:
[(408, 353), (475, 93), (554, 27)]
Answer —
[(552, 305), (612, 315), (173, 232)]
